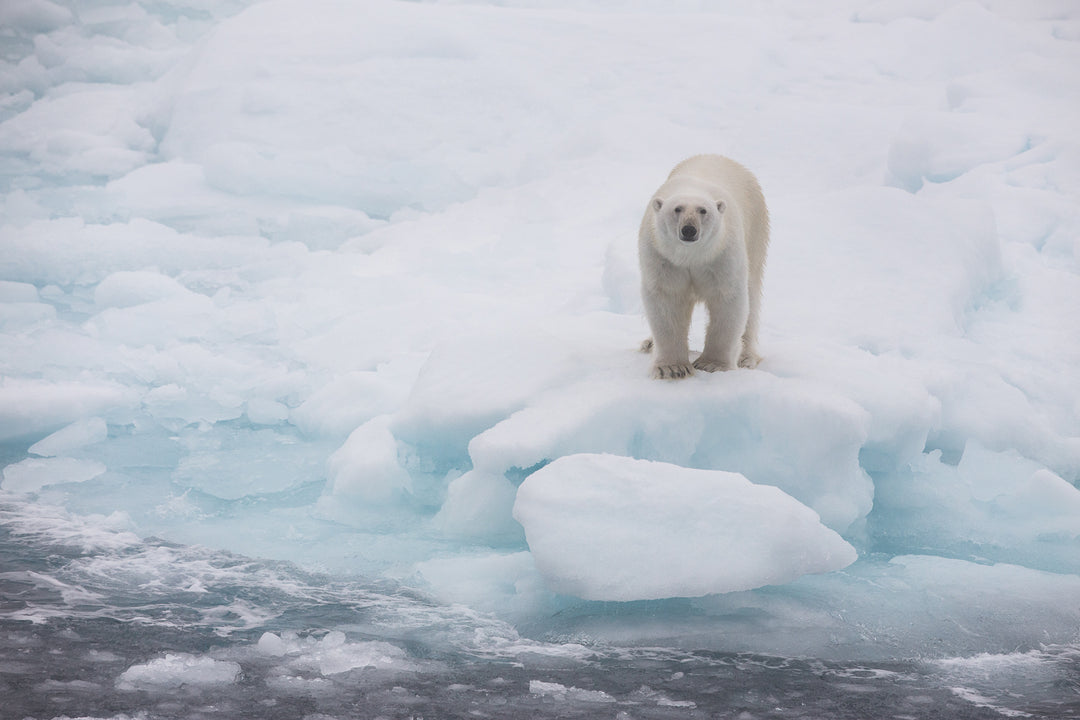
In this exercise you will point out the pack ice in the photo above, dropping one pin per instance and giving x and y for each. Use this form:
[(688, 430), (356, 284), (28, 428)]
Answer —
[(344, 283)]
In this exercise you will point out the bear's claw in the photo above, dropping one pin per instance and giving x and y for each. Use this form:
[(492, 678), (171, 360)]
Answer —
[(709, 365), (672, 372)]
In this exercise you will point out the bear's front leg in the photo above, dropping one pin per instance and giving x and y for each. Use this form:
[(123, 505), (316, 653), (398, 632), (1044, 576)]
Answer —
[(723, 337), (669, 319)]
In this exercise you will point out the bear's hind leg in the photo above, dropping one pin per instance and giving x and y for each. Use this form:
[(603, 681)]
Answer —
[(749, 357)]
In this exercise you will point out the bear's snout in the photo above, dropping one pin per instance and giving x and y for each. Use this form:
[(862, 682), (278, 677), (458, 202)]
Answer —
[(688, 233)]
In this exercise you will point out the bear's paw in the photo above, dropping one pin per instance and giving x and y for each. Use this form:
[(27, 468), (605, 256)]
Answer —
[(749, 359)]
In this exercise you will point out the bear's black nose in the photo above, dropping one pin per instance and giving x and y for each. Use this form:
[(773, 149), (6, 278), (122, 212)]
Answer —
[(689, 233)]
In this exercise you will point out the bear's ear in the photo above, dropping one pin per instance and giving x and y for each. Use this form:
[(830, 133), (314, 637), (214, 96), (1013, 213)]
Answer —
[(721, 206), (657, 203)]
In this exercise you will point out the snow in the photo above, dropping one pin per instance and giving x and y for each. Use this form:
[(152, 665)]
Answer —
[(604, 527), (342, 284)]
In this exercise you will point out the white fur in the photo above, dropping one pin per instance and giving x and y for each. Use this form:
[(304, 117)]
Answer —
[(721, 267)]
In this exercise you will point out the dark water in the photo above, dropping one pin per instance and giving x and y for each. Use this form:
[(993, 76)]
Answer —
[(81, 613)]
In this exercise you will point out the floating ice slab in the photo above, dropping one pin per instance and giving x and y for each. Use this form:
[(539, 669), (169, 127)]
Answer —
[(32, 474), (29, 406), (75, 436), (176, 670), (562, 693), (332, 654), (604, 527)]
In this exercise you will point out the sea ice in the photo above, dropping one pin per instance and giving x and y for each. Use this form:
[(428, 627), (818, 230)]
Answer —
[(604, 527), (327, 281)]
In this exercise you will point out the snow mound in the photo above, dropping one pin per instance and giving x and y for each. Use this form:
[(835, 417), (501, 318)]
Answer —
[(604, 527)]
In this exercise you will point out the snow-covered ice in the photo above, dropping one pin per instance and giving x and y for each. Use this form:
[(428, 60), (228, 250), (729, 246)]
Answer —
[(340, 284)]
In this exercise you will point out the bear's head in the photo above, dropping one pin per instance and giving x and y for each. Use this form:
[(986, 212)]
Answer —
[(688, 226)]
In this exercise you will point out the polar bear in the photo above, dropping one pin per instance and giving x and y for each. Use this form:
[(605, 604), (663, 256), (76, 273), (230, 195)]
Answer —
[(703, 239)]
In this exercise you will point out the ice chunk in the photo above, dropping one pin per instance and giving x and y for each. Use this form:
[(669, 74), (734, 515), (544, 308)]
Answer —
[(478, 506), (349, 400), (88, 131), (471, 382), (127, 288), (993, 505), (150, 309), (30, 406), (508, 583), (940, 147), (70, 250), (909, 606), (19, 306), (235, 460), (176, 670), (562, 693), (603, 527), (271, 644), (75, 436), (265, 412), (34, 16), (172, 402), (365, 469), (752, 423), (333, 653), (17, 292), (901, 411), (32, 474), (18, 316)]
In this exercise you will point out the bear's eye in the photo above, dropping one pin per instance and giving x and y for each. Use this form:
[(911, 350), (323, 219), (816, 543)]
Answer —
[(702, 211), (679, 209)]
